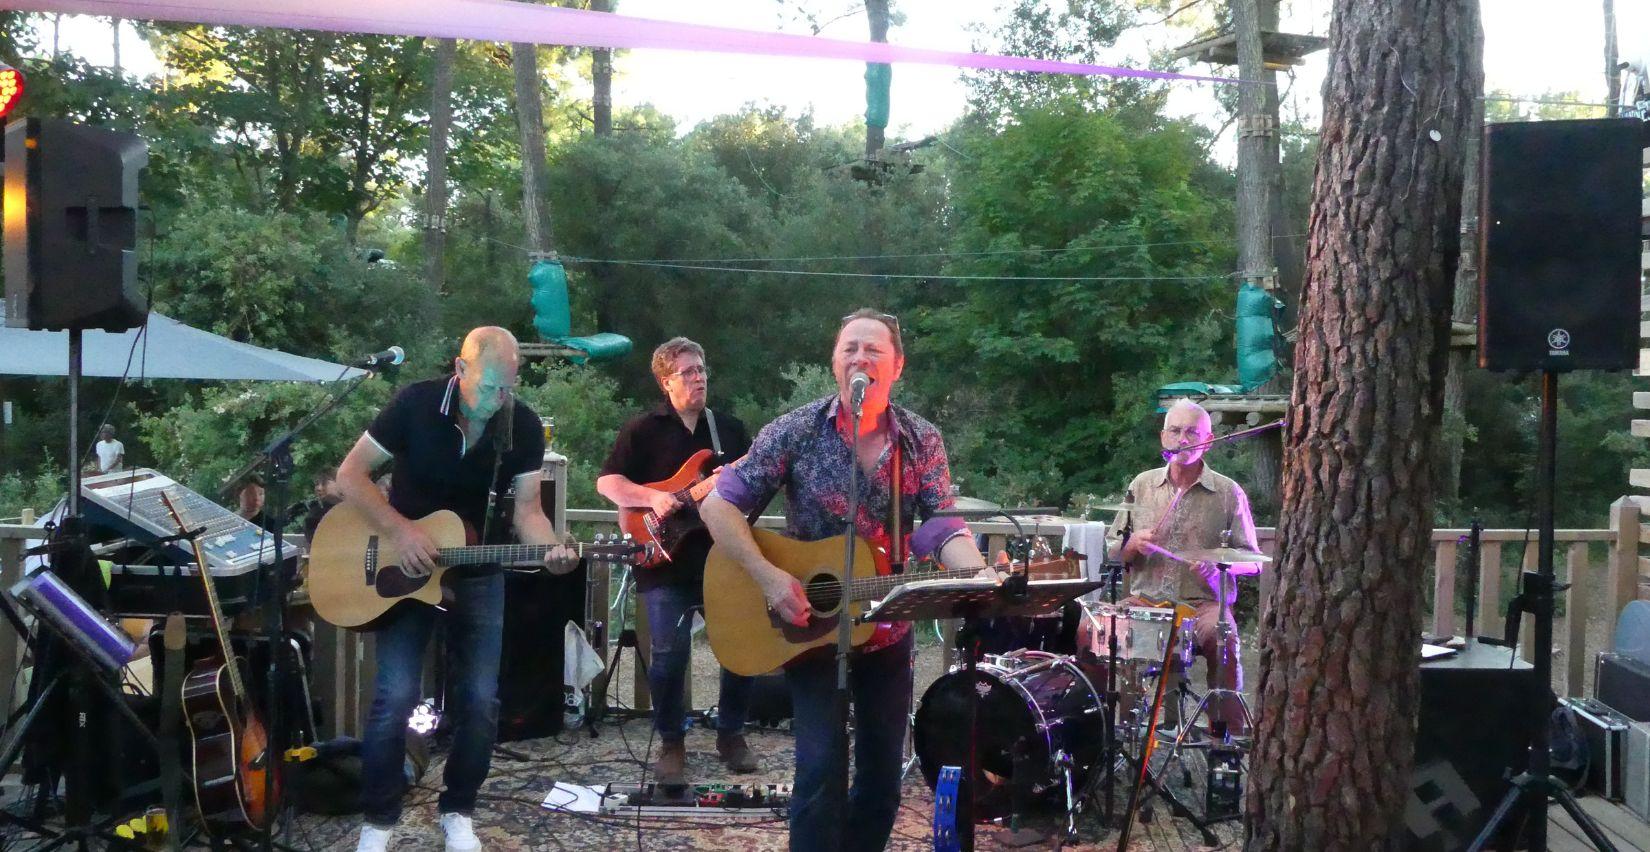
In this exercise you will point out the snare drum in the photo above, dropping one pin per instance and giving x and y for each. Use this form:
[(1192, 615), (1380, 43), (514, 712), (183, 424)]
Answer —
[(1142, 632)]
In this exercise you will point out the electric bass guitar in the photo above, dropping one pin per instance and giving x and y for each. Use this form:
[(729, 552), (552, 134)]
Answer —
[(748, 639), (355, 574), (229, 745), (690, 484)]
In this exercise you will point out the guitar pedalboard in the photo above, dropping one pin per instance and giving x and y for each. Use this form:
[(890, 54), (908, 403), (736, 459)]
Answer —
[(726, 801)]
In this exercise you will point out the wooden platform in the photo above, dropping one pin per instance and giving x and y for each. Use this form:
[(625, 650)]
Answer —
[(1622, 826)]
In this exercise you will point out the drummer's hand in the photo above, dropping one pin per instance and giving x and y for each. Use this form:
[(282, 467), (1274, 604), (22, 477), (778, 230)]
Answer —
[(784, 596), (1136, 547), (1208, 572)]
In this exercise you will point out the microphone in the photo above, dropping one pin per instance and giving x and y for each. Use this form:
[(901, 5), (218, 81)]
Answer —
[(388, 358), (1168, 454), (857, 383)]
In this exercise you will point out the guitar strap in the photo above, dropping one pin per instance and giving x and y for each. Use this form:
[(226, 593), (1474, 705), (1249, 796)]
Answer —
[(715, 437), (896, 536)]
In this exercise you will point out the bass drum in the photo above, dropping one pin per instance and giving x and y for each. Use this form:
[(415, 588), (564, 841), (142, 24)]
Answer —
[(1033, 705)]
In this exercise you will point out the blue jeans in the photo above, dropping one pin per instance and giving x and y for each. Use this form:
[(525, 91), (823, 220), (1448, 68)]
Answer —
[(475, 631), (670, 617), (880, 685)]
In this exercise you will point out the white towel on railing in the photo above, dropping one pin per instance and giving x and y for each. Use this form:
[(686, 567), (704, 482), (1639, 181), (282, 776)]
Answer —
[(1089, 540)]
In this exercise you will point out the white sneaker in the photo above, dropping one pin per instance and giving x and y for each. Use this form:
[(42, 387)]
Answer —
[(373, 839), (461, 835)]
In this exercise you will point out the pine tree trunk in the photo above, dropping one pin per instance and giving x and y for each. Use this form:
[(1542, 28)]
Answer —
[(435, 190), (1338, 663), (876, 11), (1612, 77), (535, 203), (601, 78), (1258, 175), (1466, 310)]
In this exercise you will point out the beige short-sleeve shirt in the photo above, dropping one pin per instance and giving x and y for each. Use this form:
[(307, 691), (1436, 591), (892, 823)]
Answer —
[(1196, 519)]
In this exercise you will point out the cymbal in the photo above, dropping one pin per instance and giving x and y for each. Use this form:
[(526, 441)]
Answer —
[(1223, 555)]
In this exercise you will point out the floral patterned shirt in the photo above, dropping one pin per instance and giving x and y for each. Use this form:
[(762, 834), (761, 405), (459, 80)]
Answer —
[(804, 454)]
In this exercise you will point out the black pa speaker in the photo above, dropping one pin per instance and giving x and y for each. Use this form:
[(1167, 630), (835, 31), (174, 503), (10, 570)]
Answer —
[(1479, 711), (1559, 245), (71, 206)]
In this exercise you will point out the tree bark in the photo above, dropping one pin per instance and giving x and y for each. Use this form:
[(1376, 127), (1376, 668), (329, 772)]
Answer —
[(435, 190), (601, 78), (1258, 174), (1338, 662), (876, 11), (114, 25), (1612, 77), (535, 203)]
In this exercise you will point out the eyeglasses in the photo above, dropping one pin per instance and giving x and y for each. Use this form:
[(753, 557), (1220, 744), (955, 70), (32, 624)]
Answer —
[(1189, 431), (690, 373), (890, 319)]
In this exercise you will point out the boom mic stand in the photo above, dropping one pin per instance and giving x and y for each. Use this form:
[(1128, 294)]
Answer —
[(276, 459)]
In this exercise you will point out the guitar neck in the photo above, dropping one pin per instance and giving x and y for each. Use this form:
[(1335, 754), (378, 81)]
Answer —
[(874, 588), (501, 554)]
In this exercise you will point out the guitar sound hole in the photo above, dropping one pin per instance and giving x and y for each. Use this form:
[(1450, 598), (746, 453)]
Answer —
[(824, 593)]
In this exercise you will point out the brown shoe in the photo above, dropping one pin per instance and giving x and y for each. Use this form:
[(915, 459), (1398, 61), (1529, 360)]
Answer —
[(735, 752), (671, 767)]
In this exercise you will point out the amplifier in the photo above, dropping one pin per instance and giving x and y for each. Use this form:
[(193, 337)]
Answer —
[(1623, 683), (1606, 733), (1479, 710), (1636, 777)]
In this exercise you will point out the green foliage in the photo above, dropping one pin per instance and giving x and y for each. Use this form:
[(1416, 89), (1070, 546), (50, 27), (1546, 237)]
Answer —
[(38, 489), (1044, 387), (587, 411), (283, 280), (202, 441)]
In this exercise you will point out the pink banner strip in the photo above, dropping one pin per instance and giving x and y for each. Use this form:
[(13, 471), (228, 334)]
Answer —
[(506, 21)]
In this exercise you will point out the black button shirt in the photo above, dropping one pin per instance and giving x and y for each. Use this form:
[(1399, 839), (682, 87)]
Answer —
[(651, 447), (433, 467)]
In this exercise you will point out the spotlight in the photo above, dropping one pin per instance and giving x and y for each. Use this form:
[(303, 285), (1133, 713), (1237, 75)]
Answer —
[(11, 88)]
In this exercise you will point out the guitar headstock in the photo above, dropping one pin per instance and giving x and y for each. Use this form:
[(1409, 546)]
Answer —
[(615, 549), (173, 510)]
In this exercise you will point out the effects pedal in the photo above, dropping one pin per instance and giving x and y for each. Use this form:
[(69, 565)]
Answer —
[(735, 801)]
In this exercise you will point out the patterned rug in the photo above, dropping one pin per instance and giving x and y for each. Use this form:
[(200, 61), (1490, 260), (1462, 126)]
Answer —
[(512, 816)]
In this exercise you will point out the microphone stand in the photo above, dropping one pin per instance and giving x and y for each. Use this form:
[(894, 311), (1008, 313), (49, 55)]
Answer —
[(845, 620), (277, 456), (1264, 427)]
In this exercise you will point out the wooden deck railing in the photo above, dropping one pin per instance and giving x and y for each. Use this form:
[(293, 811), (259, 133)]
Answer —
[(1602, 567)]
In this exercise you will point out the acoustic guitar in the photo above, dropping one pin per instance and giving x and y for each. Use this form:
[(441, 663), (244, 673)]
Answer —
[(228, 742), (355, 574), (691, 484), (748, 639)]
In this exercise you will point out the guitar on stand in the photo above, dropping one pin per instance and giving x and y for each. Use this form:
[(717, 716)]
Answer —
[(228, 741), (690, 484)]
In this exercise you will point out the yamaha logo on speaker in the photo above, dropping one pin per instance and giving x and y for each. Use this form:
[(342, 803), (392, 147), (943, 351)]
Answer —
[(1558, 340)]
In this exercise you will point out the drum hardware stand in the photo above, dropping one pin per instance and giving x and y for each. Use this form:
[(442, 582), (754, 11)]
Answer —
[(1537, 783), (1143, 773), (1218, 729), (1474, 536)]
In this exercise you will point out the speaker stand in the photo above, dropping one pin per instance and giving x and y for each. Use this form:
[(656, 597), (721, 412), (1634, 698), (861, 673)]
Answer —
[(1536, 785)]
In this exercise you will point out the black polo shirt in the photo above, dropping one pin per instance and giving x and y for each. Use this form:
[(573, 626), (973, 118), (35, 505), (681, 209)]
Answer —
[(433, 467), (651, 447)]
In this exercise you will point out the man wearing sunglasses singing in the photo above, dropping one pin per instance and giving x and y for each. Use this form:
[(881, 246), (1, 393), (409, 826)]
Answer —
[(905, 479)]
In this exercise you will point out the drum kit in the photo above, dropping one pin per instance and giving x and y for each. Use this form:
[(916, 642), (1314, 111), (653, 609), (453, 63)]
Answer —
[(1078, 706)]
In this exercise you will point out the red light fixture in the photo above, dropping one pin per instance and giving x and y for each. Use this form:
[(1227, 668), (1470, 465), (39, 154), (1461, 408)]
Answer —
[(11, 88)]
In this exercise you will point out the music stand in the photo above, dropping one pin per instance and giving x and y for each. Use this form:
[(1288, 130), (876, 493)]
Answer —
[(971, 600)]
